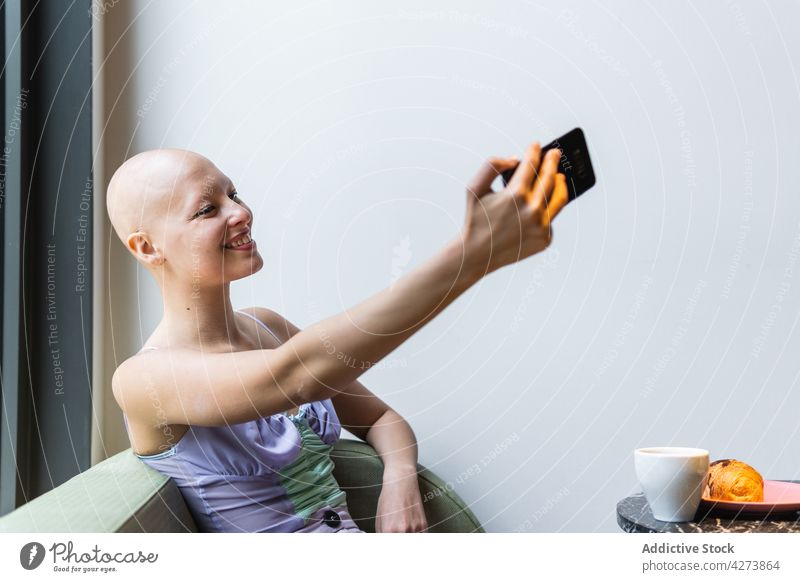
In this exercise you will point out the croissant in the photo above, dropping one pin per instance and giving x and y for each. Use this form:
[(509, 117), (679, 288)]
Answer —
[(732, 480)]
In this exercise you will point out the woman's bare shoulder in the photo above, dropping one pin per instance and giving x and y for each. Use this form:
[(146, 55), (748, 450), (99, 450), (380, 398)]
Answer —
[(140, 368), (282, 327)]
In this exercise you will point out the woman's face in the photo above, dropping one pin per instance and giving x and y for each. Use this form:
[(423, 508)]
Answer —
[(209, 218)]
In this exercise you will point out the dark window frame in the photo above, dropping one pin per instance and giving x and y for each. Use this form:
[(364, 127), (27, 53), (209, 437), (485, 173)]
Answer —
[(46, 207)]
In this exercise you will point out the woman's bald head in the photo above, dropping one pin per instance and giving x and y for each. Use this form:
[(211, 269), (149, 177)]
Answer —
[(149, 186)]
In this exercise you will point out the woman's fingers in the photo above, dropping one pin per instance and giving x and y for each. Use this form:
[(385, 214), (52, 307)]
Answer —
[(527, 170), (482, 182), (559, 197), (545, 181)]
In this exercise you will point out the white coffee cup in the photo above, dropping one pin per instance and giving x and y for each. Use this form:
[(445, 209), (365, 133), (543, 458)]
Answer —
[(672, 479)]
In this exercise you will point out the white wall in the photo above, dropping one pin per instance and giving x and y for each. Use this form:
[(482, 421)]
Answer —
[(665, 311)]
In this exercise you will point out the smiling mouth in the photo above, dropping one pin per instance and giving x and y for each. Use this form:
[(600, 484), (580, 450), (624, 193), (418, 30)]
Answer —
[(243, 242), (244, 247)]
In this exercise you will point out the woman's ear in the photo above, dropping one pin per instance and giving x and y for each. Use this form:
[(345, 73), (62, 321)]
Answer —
[(139, 244)]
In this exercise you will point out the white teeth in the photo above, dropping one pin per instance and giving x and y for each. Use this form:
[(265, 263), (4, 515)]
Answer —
[(242, 241)]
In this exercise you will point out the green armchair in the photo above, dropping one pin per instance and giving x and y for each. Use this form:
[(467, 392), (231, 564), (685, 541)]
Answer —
[(122, 494)]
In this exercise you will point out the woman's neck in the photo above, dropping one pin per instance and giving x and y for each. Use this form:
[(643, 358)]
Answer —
[(202, 319)]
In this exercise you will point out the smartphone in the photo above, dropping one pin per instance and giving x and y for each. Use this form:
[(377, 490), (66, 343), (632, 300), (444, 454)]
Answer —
[(575, 163)]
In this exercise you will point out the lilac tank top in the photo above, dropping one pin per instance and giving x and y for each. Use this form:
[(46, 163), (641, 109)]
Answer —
[(272, 474)]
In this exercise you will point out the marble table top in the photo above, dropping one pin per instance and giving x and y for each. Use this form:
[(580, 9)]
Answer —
[(634, 516)]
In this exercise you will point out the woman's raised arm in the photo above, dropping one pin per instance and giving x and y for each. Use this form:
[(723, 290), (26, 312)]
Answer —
[(500, 228)]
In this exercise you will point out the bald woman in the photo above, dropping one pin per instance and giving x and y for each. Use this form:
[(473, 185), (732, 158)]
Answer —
[(241, 407)]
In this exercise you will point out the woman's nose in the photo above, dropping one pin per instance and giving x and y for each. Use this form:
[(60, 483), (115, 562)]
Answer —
[(239, 214)]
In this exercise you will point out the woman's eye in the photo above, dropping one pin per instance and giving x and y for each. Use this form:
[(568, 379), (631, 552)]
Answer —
[(207, 209)]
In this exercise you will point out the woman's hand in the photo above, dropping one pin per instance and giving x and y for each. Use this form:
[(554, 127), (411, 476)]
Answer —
[(507, 226), (400, 505)]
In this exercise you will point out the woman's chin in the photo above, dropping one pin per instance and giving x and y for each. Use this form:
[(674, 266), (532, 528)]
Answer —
[(255, 265)]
